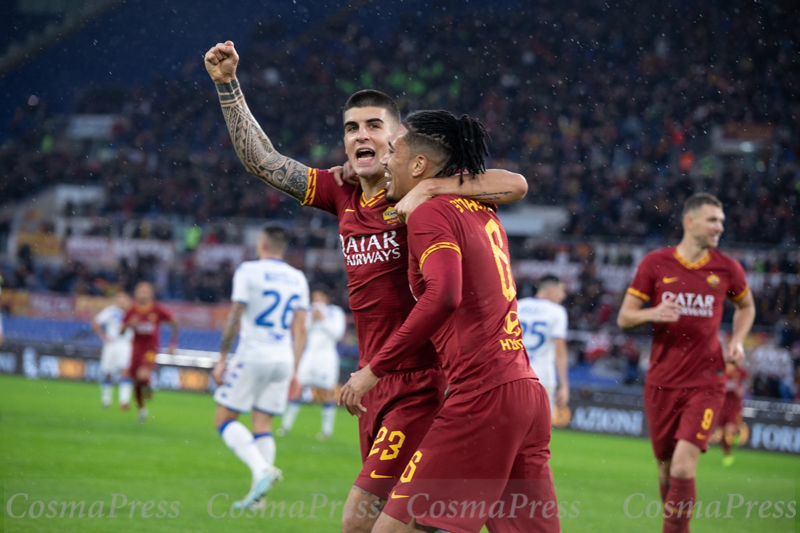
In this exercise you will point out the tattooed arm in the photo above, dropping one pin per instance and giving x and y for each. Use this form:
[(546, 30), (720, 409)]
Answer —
[(495, 186), (228, 336), (256, 151)]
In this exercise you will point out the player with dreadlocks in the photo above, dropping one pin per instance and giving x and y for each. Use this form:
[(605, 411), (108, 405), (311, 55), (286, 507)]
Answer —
[(485, 458)]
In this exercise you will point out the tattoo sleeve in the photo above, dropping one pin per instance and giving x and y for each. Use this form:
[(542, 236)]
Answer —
[(256, 151)]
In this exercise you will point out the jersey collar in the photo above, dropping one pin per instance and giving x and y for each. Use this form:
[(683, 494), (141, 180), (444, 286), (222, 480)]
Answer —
[(372, 201), (692, 266)]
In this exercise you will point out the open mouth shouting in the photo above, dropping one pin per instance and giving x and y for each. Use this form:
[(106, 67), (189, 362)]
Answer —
[(365, 155)]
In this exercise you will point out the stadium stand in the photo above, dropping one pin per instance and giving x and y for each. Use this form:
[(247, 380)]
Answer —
[(613, 123)]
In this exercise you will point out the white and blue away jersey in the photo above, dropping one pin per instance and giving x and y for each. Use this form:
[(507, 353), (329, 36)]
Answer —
[(323, 335), (542, 321), (273, 291), (110, 319)]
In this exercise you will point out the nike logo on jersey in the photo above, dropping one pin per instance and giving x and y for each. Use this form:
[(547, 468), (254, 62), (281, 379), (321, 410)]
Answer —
[(700, 436), (667, 281), (373, 475), (396, 496)]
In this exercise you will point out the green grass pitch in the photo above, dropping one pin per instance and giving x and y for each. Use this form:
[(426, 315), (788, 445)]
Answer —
[(57, 445)]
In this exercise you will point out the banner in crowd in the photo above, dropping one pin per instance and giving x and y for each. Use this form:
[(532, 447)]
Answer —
[(108, 252), (40, 244), (49, 361), (43, 305), (766, 425)]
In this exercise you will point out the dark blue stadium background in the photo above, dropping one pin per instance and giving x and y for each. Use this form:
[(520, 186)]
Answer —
[(606, 107)]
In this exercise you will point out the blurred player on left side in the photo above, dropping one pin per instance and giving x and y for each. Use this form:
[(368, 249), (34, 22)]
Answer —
[(116, 355), (145, 318)]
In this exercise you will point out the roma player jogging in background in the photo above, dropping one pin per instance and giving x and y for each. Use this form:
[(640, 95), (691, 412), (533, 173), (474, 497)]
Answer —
[(485, 458), (686, 286), (730, 418), (145, 318), (373, 240)]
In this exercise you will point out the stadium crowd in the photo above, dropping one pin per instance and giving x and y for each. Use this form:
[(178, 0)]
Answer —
[(603, 115)]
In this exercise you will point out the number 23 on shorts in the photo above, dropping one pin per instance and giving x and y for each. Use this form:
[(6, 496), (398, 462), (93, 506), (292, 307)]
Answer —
[(396, 439)]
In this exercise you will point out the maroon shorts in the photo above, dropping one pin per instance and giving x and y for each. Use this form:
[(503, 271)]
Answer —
[(484, 461), (139, 359), (400, 410), (731, 410), (681, 414)]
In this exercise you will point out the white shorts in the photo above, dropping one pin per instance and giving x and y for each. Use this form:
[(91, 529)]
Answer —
[(115, 357), (255, 385), (319, 370)]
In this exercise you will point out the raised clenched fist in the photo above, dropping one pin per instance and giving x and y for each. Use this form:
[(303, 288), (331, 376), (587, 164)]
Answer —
[(221, 61)]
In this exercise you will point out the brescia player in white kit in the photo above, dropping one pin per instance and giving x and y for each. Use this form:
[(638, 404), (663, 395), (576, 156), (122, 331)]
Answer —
[(544, 333), (115, 359), (319, 367), (270, 299)]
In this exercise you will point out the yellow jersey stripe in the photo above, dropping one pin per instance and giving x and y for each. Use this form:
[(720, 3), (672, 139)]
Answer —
[(312, 187), (638, 294), (738, 297), (372, 201), (692, 266), (438, 246)]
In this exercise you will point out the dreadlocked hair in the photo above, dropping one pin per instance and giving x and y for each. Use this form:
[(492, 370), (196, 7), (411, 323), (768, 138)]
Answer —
[(460, 142)]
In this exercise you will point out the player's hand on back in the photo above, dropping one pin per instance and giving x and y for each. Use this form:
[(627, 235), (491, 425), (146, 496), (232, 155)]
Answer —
[(734, 353), (221, 61), (666, 311)]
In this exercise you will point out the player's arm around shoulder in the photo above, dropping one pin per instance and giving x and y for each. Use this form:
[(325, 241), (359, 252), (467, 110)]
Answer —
[(254, 148), (495, 186)]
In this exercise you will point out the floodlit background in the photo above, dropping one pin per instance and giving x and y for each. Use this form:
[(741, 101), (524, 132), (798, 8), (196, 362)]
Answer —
[(116, 166)]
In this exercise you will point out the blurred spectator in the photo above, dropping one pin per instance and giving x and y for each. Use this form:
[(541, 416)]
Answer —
[(773, 371)]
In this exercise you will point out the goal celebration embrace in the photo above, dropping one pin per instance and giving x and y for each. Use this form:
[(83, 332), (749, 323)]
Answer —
[(369, 267)]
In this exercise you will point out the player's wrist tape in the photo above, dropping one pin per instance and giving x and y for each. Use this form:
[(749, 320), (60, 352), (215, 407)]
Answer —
[(227, 88)]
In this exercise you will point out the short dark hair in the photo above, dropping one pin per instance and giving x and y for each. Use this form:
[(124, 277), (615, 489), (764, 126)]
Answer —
[(277, 236), (373, 98), (696, 201), (461, 142), (548, 279)]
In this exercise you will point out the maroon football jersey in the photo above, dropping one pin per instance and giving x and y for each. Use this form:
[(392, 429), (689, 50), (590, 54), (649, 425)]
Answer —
[(481, 342), (145, 330), (374, 243), (688, 353)]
